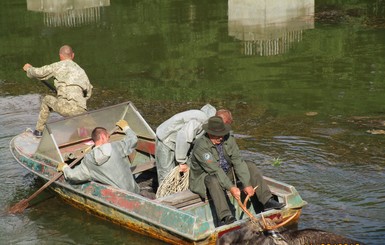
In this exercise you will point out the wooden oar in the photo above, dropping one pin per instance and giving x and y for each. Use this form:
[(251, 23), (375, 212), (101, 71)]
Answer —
[(23, 204)]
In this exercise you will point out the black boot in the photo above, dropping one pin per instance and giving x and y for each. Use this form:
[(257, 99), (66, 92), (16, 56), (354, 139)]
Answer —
[(228, 220), (273, 204), (37, 133)]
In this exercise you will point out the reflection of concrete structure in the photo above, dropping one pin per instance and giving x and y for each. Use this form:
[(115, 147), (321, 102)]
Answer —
[(269, 27), (68, 12)]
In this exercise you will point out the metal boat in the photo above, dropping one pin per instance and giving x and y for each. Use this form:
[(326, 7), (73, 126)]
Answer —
[(180, 218)]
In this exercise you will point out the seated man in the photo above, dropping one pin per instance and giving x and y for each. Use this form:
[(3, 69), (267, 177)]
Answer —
[(216, 162), (107, 162)]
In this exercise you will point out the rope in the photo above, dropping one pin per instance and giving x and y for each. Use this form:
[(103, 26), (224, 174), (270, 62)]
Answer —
[(173, 183)]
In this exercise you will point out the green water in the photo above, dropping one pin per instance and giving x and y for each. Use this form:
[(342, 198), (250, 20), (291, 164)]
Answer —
[(173, 55)]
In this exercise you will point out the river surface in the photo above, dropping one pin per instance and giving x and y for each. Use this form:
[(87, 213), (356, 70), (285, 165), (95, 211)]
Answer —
[(306, 88)]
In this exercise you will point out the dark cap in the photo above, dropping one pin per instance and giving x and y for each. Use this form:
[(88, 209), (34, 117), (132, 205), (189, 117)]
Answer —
[(215, 126)]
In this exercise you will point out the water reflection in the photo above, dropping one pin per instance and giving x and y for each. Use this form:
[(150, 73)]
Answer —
[(269, 27), (68, 13)]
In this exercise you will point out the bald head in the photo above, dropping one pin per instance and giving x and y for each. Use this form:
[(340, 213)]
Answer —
[(225, 115), (66, 52)]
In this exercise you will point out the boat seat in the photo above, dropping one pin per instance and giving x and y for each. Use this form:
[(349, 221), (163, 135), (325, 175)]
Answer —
[(181, 199), (187, 198), (143, 167)]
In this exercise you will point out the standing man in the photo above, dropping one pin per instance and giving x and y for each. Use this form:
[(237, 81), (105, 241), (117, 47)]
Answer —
[(71, 83), (215, 164), (174, 139), (107, 162)]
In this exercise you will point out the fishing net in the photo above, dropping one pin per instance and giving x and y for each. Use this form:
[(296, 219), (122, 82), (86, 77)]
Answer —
[(174, 182)]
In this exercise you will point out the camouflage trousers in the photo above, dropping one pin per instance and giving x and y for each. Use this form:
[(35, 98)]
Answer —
[(64, 107)]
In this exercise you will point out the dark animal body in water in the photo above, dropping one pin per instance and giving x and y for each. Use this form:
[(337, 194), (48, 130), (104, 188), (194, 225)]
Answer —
[(250, 235)]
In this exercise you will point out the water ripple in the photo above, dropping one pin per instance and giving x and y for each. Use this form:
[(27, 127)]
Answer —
[(344, 197)]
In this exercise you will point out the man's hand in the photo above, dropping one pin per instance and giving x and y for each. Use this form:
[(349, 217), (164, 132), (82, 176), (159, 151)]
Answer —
[(183, 168), (235, 192), (61, 166), (27, 66), (122, 124), (249, 190)]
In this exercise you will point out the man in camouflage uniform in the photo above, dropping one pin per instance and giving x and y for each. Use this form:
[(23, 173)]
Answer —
[(72, 86)]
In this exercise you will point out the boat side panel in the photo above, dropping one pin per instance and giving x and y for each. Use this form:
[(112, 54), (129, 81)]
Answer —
[(285, 193), (136, 211), (120, 218)]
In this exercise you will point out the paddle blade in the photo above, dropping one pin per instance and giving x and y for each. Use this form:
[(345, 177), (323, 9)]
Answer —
[(19, 207)]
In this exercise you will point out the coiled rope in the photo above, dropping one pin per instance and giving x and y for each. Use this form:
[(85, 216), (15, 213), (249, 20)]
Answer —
[(174, 182)]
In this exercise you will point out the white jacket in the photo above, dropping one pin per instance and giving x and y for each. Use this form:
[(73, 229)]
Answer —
[(179, 131)]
